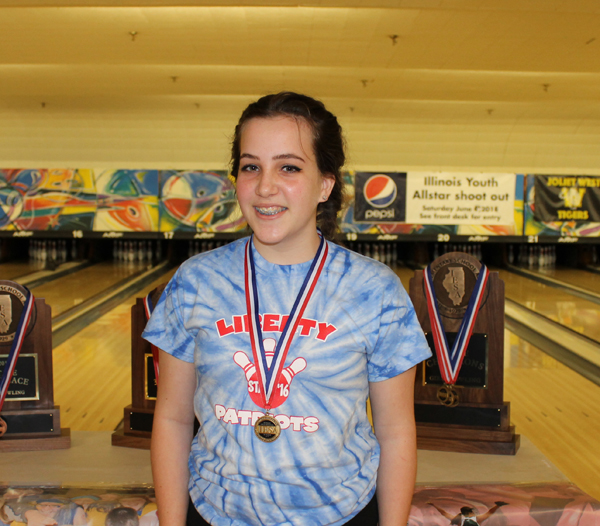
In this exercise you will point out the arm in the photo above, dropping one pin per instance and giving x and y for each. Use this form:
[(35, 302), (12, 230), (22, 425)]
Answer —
[(393, 417), (172, 437), (444, 513), (491, 511)]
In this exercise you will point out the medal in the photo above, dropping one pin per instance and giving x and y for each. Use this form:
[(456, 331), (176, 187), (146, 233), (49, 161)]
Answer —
[(450, 360), (267, 428), (448, 396), (13, 355)]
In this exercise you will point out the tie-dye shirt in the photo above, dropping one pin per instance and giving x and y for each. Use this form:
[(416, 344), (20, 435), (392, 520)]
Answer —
[(358, 327)]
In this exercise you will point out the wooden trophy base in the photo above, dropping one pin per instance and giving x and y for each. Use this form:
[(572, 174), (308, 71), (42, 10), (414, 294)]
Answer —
[(494, 435), (34, 430), (62, 441), (137, 429)]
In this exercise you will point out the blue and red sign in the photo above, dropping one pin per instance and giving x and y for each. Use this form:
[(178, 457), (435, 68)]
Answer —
[(380, 197)]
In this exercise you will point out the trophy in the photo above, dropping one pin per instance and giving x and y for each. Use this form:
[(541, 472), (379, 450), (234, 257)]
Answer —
[(459, 391), (29, 420), (139, 415)]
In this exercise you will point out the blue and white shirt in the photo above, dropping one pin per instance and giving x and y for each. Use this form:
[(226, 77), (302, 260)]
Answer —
[(359, 327)]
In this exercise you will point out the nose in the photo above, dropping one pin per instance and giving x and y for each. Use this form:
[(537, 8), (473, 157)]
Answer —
[(267, 183)]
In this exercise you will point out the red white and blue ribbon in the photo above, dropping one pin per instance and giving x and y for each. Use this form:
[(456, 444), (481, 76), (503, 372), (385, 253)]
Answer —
[(149, 308), (269, 376), (15, 349), (450, 360)]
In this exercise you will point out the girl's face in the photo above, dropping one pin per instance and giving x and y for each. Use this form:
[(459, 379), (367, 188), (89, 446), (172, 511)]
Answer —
[(279, 187)]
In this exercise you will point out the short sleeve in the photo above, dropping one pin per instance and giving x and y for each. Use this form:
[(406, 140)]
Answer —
[(400, 342), (166, 327)]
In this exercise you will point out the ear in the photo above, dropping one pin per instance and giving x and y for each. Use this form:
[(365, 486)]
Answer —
[(327, 184)]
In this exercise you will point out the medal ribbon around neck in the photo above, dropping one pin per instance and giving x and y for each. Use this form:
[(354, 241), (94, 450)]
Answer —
[(11, 362), (450, 360), (148, 309), (269, 376)]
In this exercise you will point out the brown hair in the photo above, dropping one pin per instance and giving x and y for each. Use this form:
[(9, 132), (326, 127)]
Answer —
[(328, 145)]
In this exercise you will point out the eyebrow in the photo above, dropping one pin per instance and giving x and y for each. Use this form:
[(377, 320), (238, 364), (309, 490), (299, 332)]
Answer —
[(276, 158)]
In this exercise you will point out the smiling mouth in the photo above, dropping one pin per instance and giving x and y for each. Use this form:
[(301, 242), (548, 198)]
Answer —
[(269, 210)]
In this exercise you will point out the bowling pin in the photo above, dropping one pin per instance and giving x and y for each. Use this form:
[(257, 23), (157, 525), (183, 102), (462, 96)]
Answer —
[(242, 360), (297, 366)]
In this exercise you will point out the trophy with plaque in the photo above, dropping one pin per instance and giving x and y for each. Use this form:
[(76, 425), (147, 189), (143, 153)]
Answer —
[(138, 417), (459, 391), (29, 420)]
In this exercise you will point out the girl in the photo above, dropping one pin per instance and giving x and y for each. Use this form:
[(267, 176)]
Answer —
[(275, 342)]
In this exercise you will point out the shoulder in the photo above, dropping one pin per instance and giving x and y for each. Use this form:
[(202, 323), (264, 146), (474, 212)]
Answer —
[(214, 264)]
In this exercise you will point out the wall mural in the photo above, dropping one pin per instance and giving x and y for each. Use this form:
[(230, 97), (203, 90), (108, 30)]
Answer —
[(118, 201), (194, 201)]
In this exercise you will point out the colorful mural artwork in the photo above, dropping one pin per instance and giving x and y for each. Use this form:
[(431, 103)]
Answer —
[(195, 201), (118, 201), (47, 199), (556, 504), (127, 201), (535, 226), (550, 504)]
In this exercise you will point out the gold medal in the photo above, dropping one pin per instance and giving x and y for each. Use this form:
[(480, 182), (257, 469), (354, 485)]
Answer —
[(267, 428), (3, 427), (448, 396)]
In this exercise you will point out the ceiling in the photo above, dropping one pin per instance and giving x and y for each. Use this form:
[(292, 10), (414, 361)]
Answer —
[(414, 83)]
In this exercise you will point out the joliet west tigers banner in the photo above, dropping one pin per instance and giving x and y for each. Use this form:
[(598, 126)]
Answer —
[(567, 198)]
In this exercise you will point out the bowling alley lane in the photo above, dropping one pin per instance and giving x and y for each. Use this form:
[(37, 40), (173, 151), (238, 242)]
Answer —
[(556, 408), (92, 370), (17, 269), (571, 311), (579, 278), (69, 291)]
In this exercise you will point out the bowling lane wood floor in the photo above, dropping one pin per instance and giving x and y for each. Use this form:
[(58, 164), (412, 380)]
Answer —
[(17, 269), (580, 278), (575, 313), (92, 370), (553, 406), (69, 291)]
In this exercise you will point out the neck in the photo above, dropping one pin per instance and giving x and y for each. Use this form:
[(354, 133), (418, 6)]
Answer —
[(288, 254)]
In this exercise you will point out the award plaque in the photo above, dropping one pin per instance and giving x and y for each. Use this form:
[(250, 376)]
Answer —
[(32, 419), (469, 415)]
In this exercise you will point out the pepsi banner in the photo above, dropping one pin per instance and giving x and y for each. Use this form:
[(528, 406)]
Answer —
[(567, 198), (379, 197)]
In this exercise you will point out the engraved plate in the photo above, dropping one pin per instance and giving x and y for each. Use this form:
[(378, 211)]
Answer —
[(150, 384), (474, 370), (25, 383)]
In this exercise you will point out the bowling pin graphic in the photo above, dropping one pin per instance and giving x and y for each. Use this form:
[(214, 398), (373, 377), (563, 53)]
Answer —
[(281, 390), (254, 389)]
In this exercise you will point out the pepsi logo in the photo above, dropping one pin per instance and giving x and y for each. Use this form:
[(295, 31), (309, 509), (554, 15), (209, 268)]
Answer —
[(380, 191)]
